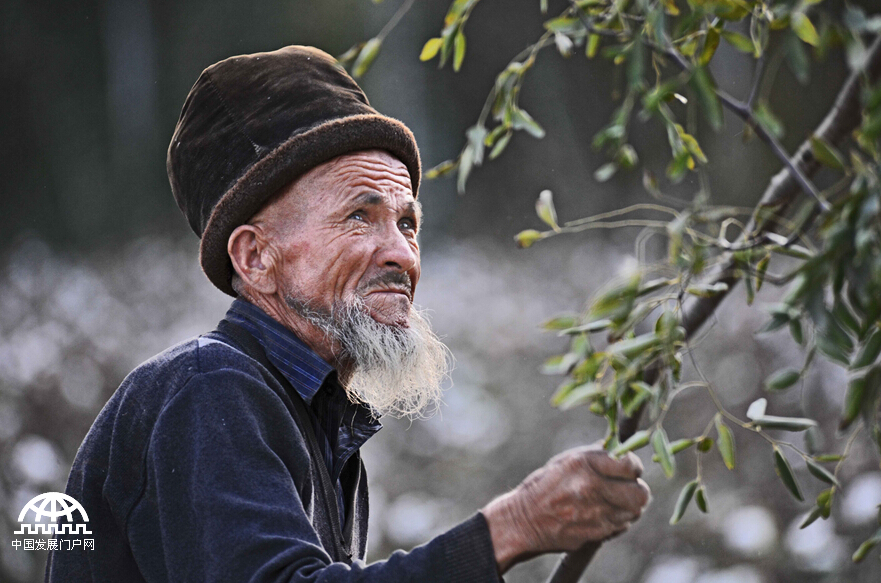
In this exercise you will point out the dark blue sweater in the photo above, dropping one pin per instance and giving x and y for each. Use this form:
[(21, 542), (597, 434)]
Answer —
[(199, 468)]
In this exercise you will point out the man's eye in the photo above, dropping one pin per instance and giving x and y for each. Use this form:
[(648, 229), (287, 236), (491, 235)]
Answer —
[(408, 224), (358, 216)]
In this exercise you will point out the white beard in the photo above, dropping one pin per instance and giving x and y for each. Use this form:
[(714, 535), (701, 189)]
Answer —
[(398, 371)]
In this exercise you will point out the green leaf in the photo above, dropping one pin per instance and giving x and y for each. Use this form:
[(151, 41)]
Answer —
[(605, 172), (784, 470), (564, 24), (826, 154), (524, 121), (738, 41), (811, 518), (681, 445), (431, 48), (560, 323), (726, 442), (869, 351), (685, 497), (784, 423), (466, 164), (703, 85), (821, 473), (768, 120), (705, 444), (711, 43), (867, 546), (761, 270), (804, 28), (366, 57), (594, 326), (782, 379), (636, 441), (795, 331), (634, 346), (526, 238), (458, 50), (544, 208), (824, 502), (592, 45), (578, 395), (707, 290), (829, 457), (700, 498), (500, 145), (853, 400), (441, 169), (626, 157), (662, 449)]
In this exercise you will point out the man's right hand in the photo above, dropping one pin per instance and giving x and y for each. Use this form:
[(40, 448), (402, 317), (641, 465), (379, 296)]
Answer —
[(580, 495)]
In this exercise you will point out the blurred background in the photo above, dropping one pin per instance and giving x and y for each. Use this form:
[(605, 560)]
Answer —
[(99, 271)]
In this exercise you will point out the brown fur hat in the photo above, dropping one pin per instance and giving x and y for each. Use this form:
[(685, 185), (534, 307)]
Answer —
[(252, 124)]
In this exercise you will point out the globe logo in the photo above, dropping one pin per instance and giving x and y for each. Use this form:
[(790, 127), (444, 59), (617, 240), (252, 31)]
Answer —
[(49, 507)]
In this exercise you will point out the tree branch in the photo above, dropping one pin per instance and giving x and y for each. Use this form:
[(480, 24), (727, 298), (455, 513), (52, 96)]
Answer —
[(780, 193)]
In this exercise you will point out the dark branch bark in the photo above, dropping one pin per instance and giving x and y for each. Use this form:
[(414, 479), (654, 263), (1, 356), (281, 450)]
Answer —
[(781, 192)]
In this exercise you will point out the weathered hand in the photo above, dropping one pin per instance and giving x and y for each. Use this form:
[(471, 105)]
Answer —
[(580, 495)]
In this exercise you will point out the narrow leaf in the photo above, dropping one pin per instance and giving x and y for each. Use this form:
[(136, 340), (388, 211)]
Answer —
[(822, 473), (726, 443), (685, 497), (636, 441), (711, 43), (811, 518), (431, 48), (662, 450), (605, 172), (458, 50), (804, 28), (853, 401), (366, 57), (526, 238), (826, 154), (867, 546), (700, 498), (524, 121), (738, 41), (782, 379), (784, 470), (544, 208), (869, 351), (784, 423)]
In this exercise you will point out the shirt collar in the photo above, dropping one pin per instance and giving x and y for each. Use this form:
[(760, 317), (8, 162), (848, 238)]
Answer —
[(305, 370)]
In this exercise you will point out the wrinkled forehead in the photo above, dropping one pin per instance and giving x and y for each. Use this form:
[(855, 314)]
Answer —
[(365, 169), (372, 176)]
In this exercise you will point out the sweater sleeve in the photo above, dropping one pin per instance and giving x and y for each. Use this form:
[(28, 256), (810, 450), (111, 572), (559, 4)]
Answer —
[(225, 468)]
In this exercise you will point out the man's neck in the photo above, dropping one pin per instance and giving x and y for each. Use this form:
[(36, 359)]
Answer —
[(312, 335)]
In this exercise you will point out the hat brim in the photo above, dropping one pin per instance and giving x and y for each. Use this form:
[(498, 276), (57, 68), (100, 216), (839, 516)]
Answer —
[(289, 161)]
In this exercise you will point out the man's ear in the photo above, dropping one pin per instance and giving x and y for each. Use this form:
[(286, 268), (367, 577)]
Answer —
[(252, 259)]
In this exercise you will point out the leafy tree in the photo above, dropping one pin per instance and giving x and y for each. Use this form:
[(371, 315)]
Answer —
[(627, 348)]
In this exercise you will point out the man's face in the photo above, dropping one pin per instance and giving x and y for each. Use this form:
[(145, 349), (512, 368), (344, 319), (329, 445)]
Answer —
[(347, 229)]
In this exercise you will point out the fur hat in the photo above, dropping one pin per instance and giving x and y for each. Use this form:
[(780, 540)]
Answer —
[(252, 124)]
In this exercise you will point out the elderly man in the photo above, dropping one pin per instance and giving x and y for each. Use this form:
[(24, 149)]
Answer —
[(234, 456)]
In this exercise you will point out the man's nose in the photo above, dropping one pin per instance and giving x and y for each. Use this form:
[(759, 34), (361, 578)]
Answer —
[(397, 251)]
